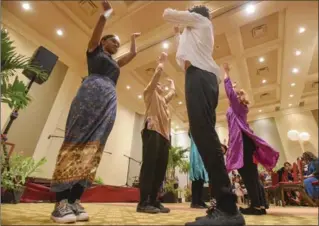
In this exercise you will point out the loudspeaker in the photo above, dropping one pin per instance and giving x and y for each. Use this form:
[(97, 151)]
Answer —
[(43, 58)]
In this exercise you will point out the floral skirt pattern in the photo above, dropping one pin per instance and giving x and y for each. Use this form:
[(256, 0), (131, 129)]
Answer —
[(90, 121)]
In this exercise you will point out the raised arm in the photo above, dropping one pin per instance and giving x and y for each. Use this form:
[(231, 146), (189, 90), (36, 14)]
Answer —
[(98, 30), (230, 92), (171, 92), (157, 75), (130, 55), (177, 35), (185, 18)]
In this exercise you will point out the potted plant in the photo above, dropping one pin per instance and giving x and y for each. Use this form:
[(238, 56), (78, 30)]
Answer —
[(13, 179), (176, 158)]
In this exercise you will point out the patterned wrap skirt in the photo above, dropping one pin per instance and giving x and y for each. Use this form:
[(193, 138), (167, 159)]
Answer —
[(89, 123)]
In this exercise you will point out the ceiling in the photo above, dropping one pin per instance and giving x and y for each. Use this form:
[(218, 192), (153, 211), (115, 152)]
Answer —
[(241, 39)]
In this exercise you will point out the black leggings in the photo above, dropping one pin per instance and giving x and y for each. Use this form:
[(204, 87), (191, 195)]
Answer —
[(71, 195), (250, 175)]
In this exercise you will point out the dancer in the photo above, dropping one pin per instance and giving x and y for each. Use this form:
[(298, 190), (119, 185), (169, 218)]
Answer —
[(244, 146), (198, 176), (155, 137), (90, 121), (194, 55)]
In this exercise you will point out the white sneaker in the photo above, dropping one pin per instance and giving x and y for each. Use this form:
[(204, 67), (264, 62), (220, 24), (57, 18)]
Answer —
[(63, 213)]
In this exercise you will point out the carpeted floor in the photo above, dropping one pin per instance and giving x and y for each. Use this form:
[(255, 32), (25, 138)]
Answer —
[(125, 214)]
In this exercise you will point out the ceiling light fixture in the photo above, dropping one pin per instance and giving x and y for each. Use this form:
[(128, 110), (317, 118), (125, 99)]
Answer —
[(166, 88), (26, 6), (128, 87), (261, 59), (180, 102), (290, 105), (250, 9), (177, 127), (293, 84), (301, 30), (298, 53), (165, 45), (295, 70), (59, 32), (260, 110), (139, 96), (264, 81), (291, 95)]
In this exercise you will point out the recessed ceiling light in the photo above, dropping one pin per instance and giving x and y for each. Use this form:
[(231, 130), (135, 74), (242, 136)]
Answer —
[(250, 9), (139, 96), (180, 102), (301, 30), (166, 88), (292, 84), (128, 87), (261, 59), (291, 95), (59, 32), (298, 52), (165, 45), (260, 110), (290, 105), (264, 81), (295, 70), (26, 6), (177, 127)]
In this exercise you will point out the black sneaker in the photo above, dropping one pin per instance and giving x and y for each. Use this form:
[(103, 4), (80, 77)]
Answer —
[(63, 213), (252, 211), (79, 211), (218, 217), (147, 208), (162, 209)]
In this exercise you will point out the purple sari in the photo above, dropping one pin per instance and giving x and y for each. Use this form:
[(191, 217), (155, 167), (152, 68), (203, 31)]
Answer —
[(237, 124)]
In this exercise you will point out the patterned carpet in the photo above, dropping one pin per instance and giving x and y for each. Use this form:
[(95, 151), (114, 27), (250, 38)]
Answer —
[(125, 214)]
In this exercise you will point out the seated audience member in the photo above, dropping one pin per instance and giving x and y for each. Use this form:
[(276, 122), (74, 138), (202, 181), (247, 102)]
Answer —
[(312, 174), (286, 168), (238, 190)]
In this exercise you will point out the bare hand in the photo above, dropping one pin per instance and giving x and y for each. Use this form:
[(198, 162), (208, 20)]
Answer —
[(226, 67), (170, 80), (162, 58), (135, 35), (176, 30), (106, 5)]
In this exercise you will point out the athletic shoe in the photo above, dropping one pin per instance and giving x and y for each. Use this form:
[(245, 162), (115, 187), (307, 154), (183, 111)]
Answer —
[(252, 211), (162, 209), (147, 208), (218, 217), (79, 211), (63, 213)]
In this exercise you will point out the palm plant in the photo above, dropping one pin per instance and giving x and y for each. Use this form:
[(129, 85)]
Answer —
[(176, 158), (14, 94)]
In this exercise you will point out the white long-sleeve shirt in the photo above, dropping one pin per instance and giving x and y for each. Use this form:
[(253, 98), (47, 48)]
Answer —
[(196, 42)]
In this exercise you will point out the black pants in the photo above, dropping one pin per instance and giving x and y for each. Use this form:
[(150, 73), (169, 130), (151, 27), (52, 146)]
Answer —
[(250, 176), (197, 192), (155, 159), (70, 194), (202, 90)]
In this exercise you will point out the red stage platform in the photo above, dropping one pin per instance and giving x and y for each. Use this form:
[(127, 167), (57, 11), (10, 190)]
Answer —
[(98, 193)]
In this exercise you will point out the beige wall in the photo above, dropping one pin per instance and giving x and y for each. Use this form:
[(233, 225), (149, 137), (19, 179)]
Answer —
[(315, 115), (302, 122)]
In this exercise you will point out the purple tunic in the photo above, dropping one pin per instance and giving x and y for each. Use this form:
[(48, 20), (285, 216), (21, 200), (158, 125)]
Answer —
[(237, 123)]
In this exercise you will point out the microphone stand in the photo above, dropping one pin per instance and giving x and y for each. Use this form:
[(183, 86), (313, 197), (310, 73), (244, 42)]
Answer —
[(128, 169)]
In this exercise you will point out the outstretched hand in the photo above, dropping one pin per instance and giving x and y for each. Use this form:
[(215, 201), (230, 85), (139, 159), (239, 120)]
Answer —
[(136, 35), (106, 5), (162, 58), (226, 69)]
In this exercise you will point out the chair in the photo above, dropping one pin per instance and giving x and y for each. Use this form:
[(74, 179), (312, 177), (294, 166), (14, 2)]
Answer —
[(296, 186), (273, 188)]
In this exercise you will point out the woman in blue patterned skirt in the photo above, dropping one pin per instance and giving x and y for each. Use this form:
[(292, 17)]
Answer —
[(90, 121)]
